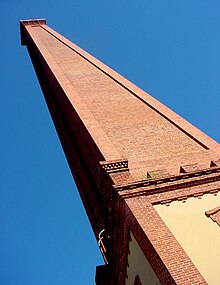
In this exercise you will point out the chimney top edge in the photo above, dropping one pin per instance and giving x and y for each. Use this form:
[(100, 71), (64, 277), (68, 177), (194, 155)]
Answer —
[(33, 22)]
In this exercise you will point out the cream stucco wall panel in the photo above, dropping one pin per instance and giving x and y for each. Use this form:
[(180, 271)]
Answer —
[(198, 235), (139, 265)]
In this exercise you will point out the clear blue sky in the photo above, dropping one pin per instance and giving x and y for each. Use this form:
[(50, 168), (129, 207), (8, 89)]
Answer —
[(169, 48)]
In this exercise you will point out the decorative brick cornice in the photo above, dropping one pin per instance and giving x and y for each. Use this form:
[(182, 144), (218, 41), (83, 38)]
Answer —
[(33, 22), (115, 165), (183, 194), (169, 183)]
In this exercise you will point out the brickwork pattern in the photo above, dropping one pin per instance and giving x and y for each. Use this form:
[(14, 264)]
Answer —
[(156, 186), (135, 129), (169, 261), (125, 150)]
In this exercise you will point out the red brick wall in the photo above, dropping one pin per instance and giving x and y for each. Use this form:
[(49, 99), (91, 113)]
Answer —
[(116, 137)]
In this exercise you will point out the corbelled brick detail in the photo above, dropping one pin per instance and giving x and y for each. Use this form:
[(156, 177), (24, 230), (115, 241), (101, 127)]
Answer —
[(115, 165), (33, 22)]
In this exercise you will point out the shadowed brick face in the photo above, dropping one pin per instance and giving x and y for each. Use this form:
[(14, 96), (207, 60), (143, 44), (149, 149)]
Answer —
[(126, 151)]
